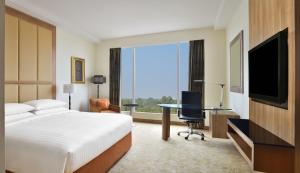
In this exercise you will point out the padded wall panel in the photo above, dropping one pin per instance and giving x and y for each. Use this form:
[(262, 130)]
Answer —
[(27, 92), (28, 51), (11, 93), (11, 48), (45, 91), (44, 54)]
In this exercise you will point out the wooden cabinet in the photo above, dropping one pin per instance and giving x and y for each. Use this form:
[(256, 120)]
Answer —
[(264, 151), (218, 123)]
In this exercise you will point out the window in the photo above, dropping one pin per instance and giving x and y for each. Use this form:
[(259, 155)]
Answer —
[(126, 76), (151, 75)]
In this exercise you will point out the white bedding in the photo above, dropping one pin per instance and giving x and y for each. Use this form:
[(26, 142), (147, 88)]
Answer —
[(18, 117), (61, 142)]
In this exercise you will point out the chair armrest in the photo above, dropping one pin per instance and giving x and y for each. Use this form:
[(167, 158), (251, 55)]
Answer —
[(115, 108), (94, 107)]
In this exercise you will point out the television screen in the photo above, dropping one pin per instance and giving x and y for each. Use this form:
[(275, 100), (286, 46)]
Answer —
[(268, 70)]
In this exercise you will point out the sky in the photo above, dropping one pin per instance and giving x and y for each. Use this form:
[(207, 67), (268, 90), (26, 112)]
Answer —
[(156, 71)]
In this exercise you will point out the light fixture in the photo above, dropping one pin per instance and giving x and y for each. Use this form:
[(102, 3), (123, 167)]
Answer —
[(69, 89), (222, 85), (98, 79)]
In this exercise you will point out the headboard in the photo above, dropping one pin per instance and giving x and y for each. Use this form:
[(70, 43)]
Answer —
[(29, 58)]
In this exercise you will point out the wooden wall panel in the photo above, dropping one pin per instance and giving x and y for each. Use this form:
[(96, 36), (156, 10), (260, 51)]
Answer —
[(45, 91), (11, 93), (44, 54), (27, 92), (266, 18), (28, 51), (30, 57), (11, 48), (297, 90)]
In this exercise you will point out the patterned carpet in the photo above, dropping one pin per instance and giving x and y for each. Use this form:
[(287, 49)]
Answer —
[(150, 154)]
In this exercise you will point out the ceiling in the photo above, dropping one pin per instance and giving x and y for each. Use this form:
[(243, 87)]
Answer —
[(107, 19)]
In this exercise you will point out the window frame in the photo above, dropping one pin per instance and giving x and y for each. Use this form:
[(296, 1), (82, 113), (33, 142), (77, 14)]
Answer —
[(178, 68)]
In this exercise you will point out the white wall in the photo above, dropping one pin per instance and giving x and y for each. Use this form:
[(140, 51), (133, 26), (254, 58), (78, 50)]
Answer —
[(215, 55), (68, 45), (239, 21)]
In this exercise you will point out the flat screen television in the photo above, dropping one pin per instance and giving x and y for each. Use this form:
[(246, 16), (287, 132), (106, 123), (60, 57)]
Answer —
[(268, 70)]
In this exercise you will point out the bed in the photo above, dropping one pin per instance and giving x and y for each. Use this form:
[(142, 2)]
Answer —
[(66, 142)]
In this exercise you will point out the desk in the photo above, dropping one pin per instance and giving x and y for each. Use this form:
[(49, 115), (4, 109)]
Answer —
[(218, 123), (166, 109)]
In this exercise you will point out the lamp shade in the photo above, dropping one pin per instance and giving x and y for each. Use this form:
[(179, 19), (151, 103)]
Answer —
[(99, 79), (68, 88)]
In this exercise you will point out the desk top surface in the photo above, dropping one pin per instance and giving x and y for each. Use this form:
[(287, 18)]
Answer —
[(179, 106)]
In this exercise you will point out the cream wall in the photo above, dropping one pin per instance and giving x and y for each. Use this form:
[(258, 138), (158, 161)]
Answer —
[(239, 21), (215, 56), (68, 45)]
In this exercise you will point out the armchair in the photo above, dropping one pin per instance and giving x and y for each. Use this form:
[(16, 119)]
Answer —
[(103, 105)]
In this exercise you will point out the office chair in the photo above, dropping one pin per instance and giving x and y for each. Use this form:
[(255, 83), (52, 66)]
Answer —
[(191, 112)]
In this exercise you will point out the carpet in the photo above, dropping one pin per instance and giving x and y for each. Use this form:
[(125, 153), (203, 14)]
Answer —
[(150, 154)]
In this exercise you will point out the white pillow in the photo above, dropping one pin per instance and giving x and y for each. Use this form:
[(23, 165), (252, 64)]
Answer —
[(45, 104), (17, 108), (50, 111)]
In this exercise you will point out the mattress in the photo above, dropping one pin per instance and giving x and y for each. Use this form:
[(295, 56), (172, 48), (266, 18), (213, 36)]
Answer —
[(61, 142)]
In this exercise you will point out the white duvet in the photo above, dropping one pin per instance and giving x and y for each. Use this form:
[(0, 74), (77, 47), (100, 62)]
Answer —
[(61, 143)]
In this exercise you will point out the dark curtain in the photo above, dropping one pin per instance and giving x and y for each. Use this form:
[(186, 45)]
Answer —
[(114, 76), (196, 69)]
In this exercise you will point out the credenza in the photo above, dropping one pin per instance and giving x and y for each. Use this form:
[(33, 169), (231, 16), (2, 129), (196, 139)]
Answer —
[(264, 151)]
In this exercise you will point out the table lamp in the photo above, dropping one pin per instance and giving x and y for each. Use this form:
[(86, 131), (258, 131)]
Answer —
[(69, 89), (98, 79)]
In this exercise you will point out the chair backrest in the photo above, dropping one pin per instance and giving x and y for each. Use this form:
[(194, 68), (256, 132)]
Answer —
[(191, 104)]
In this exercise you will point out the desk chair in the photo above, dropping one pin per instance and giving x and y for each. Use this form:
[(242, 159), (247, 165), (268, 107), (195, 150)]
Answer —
[(191, 112)]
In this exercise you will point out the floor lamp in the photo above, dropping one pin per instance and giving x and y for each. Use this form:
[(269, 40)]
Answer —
[(69, 89), (222, 85), (98, 79)]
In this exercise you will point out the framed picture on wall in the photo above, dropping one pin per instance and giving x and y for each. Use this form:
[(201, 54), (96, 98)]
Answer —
[(77, 70), (237, 64)]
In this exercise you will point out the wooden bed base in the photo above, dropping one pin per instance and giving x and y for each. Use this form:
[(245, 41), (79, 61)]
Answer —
[(108, 158)]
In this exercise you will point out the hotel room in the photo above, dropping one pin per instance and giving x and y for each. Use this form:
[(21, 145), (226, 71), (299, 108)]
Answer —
[(151, 86)]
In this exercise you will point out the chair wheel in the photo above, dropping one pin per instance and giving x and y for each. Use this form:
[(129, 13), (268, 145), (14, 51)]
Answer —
[(202, 137), (186, 138), (178, 134)]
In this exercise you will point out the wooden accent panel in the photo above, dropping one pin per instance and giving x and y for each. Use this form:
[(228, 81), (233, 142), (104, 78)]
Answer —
[(27, 93), (32, 44), (297, 87), (28, 51), (45, 91), (11, 93), (266, 18), (108, 158), (11, 48), (44, 54), (267, 156), (26, 17)]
